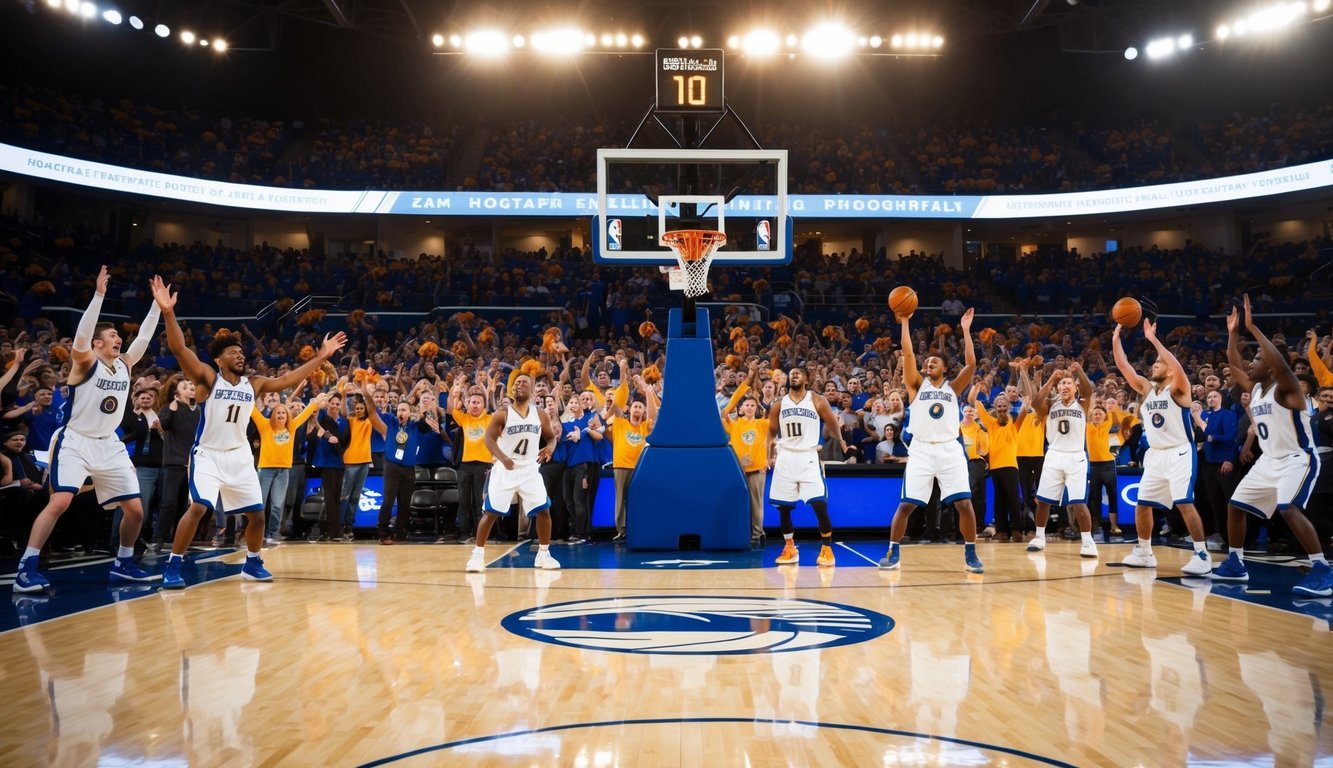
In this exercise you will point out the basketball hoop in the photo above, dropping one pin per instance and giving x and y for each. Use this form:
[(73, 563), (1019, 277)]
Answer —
[(694, 253)]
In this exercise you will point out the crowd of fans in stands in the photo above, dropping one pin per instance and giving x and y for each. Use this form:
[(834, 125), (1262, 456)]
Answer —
[(901, 157)]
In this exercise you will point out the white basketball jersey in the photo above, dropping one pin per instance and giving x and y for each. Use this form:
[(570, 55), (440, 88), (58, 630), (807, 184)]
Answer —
[(798, 424), (1066, 427), (522, 436), (1166, 423), (1281, 430), (97, 404), (933, 415), (225, 415)]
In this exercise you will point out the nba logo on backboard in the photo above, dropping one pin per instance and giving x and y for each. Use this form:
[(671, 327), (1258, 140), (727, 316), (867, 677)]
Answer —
[(763, 234), (613, 234)]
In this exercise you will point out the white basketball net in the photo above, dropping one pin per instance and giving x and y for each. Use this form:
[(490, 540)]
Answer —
[(694, 249)]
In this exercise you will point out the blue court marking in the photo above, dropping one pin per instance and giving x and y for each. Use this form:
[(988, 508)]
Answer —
[(608, 556), (82, 588), (1041, 759), (1271, 580)]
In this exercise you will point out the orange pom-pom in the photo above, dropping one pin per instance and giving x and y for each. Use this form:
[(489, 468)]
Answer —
[(862, 325), (356, 315), (943, 329), (307, 353), (737, 333), (359, 375), (647, 330), (784, 341), (732, 361), (487, 335), (430, 349), (882, 344), (459, 349), (987, 335), (532, 368), (651, 374), (129, 327), (44, 287), (741, 345), (60, 353)]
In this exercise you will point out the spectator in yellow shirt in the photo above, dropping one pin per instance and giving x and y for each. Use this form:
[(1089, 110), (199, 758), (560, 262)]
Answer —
[(475, 459), (275, 458), (748, 434), (629, 436), (1101, 471), (1002, 433)]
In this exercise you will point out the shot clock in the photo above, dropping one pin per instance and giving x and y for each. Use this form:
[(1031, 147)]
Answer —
[(690, 80)]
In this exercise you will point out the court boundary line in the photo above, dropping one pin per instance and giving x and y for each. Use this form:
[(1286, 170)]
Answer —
[(745, 720)]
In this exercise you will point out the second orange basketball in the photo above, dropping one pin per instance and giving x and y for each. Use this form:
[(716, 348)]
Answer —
[(1127, 312), (902, 300)]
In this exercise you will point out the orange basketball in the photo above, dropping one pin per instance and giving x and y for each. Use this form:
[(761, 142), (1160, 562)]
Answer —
[(1128, 312), (902, 300)]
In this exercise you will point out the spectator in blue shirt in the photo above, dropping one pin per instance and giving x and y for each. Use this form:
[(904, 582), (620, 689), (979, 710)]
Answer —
[(1217, 471), (400, 436)]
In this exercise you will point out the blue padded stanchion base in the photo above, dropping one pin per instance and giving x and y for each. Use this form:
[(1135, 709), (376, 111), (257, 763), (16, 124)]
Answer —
[(677, 492), (688, 482)]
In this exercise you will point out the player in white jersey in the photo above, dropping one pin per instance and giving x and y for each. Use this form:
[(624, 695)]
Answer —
[(1064, 472), (99, 387), (936, 453), (1171, 462), (521, 438), (794, 426), (1283, 477), (221, 464)]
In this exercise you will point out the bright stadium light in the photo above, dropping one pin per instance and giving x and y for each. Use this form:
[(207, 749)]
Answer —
[(519, 41), (203, 42), (622, 40), (761, 42), (558, 41), (1223, 32), (589, 40), (696, 41), (187, 37), (56, 4), (636, 41), (607, 39), (487, 43), (1131, 53), (72, 6), (112, 17), (162, 30), (1160, 48), (136, 22), (876, 41), (829, 40), (1320, 6), (87, 10), (1184, 41), (437, 40), (219, 45), (682, 42), (896, 41), (937, 42)]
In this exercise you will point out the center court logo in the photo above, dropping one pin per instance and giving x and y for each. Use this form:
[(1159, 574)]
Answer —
[(693, 625)]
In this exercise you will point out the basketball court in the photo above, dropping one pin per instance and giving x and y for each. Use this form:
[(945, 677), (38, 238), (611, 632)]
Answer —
[(367, 655)]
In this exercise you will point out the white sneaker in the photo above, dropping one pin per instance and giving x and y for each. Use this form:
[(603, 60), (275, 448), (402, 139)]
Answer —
[(1140, 558), (1089, 549), (476, 563), (545, 562), (1037, 544), (1199, 565)]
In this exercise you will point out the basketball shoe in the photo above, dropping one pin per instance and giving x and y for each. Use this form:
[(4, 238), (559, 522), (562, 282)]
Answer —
[(1140, 558), (545, 562), (171, 575), (1317, 583), (254, 570), (1231, 569), (825, 559), (789, 554), (1199, 564), (890, 560), (28, 579), (128, 570)]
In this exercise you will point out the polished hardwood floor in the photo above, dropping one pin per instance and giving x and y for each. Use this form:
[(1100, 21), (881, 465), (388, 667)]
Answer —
[(360, 654)]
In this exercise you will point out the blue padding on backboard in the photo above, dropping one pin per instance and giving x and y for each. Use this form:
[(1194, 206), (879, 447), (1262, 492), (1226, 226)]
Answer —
[(688, 416), (677, 492)]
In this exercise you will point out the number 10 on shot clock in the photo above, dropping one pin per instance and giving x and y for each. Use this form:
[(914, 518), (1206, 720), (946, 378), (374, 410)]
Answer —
[(690, 80)]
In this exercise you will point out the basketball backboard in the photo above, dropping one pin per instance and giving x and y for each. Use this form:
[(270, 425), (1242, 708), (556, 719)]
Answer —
[(644, 193)]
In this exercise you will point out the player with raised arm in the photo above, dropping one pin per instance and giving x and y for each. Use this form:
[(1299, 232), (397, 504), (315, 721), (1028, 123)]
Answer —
[(1064, 473), (1171, 461), (1283, 477), (87, 446), (936, 453), (520, 437), (798, 475), (221, 465)]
